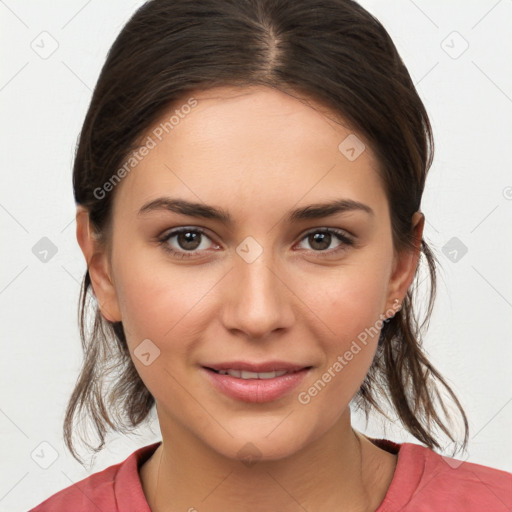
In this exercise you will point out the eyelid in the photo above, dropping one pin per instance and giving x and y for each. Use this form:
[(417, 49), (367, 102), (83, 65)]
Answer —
[(172, 232), (329, 229)]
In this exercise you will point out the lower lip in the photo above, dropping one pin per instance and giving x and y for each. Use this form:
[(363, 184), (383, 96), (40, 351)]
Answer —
[(256, 390)]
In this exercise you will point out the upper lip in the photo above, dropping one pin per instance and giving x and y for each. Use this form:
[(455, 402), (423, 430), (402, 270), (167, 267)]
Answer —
[(266, 366)]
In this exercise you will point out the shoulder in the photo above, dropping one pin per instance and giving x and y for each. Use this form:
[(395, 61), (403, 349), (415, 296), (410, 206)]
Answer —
[(105, 490), (426, 481), (95, 491)]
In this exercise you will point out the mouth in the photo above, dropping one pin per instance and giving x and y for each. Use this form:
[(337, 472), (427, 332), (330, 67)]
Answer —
[(245, 374), (252, 382)]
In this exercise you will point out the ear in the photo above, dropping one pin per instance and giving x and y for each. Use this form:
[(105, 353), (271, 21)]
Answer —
[(98, 265), (405, 262)]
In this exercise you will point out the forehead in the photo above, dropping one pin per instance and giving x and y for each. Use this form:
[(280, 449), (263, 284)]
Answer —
[(240, 145)]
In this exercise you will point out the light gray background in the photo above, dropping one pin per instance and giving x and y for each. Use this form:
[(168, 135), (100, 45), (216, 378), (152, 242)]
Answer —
[(43, 100)]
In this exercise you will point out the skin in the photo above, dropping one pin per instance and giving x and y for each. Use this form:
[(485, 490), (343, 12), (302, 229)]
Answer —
[(257, 153)]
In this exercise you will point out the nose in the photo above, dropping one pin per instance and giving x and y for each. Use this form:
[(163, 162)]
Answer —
[(257, 299)]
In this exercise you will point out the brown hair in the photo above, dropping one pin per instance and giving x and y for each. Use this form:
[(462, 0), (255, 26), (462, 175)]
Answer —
[(331, 51)]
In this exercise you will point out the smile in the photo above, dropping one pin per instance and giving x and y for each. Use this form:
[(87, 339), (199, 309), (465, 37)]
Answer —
[(256, 383)]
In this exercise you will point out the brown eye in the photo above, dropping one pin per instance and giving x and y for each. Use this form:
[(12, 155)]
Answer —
[(187, 244), (321, 239), (189, 240)]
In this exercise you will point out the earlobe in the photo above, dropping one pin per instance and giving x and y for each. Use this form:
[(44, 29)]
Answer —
[(406, 262), (98, 266)]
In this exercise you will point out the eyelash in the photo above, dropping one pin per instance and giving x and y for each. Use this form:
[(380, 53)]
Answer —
[(340, 235)]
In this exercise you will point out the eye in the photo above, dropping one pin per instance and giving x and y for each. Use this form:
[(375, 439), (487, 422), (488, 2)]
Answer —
[(321, 239), (188, 242)]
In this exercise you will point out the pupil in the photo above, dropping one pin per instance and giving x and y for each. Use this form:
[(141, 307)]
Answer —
[(322, 237), (188, 238)]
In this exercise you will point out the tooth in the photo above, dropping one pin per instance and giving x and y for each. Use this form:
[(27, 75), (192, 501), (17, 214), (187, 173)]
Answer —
[(248, 375), (243, 374), (267, 375)]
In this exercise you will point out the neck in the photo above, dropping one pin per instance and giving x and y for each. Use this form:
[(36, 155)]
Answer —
[(340, 468)]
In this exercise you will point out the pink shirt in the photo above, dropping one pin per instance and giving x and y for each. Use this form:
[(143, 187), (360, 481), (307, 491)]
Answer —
[(423, 481)]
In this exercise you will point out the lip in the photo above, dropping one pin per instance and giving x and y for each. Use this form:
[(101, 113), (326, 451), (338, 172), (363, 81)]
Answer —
[(266, 366), (256, 390)]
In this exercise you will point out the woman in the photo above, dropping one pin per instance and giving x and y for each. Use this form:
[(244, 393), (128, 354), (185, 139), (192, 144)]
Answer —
[(248, 183)]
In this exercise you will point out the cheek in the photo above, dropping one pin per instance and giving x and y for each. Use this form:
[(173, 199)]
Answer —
[(348, 301), (162, 303), (348, 304), (165, 309), (351, 311)]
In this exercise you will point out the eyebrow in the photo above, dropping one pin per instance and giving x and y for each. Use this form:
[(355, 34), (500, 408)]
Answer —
[(200, 210)]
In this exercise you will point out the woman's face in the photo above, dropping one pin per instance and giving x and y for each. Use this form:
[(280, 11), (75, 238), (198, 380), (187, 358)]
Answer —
[(270, 288)]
